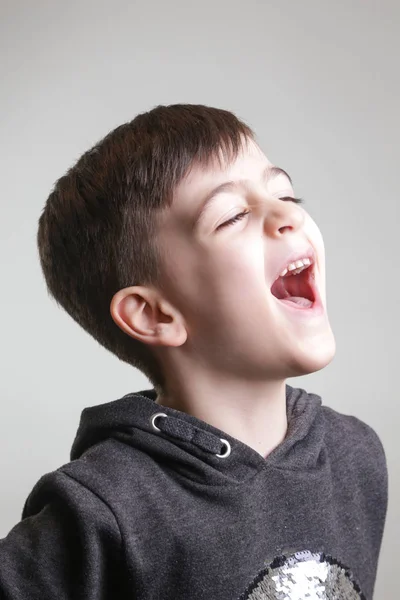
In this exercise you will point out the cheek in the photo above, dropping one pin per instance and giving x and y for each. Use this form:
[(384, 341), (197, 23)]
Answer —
[(234, 276), (240, 266)]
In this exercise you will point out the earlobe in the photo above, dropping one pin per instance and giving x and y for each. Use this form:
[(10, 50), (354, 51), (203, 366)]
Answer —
[(170, 334)]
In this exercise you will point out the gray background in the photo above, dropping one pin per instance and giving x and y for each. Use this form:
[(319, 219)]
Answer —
[(319, 83)]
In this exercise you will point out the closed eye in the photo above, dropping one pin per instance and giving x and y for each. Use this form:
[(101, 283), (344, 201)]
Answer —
[(241, 215)]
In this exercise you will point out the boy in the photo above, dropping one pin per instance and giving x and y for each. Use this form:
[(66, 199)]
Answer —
[(182, 249)]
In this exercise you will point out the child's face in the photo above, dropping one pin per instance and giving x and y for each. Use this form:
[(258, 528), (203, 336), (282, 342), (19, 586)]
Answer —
[(219, 279)]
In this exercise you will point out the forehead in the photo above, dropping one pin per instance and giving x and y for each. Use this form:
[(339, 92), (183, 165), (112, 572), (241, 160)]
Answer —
[(249, 164)]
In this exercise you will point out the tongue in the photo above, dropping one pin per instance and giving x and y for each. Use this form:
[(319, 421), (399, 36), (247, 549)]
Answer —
[(298, 300)]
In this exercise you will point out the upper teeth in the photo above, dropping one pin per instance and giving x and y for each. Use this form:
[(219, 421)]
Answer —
[(296, 267)]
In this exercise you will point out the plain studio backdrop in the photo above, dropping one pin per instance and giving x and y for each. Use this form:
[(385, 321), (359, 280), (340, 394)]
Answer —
[(318, 81)]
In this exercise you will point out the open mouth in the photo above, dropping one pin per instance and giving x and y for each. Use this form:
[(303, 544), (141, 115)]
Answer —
[(299, 289)]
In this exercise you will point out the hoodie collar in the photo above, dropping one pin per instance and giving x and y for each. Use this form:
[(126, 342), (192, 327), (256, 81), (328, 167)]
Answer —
[(185, 439)]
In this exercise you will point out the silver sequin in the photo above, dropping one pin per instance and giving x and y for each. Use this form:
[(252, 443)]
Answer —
[(304, 576)]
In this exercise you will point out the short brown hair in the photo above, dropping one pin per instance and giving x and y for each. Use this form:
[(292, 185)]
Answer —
[(98, 229)]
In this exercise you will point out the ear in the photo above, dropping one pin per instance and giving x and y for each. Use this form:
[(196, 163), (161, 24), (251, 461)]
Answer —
[(144, 315)]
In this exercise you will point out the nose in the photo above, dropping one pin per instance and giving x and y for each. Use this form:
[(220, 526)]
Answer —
[(280, 214)]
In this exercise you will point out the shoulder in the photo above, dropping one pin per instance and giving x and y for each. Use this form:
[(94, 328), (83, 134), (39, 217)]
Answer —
[(352, 432), (69, 495), (356, 446)]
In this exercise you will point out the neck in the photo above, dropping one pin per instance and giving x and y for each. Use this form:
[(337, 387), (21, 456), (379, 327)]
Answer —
[(252, 412)]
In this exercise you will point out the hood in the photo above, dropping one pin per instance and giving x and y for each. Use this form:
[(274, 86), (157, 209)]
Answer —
[(185, 439)]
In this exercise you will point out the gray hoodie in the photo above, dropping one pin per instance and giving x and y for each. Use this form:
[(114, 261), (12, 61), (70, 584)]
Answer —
[(173, 512)]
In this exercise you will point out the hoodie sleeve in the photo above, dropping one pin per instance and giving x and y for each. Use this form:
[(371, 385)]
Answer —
[(67, 546)]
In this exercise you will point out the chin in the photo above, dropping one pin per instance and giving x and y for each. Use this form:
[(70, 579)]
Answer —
[(313, 359)]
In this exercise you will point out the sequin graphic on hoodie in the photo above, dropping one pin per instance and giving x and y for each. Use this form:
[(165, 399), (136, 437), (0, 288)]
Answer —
[(304, 576)]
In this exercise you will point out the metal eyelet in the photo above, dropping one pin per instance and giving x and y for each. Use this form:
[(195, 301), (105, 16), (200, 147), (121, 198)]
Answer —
[(154, 417), (228, 449)]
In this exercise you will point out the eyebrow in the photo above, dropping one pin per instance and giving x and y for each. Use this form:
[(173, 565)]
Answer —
[(270, 172)]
